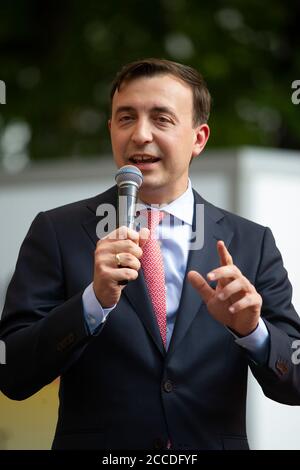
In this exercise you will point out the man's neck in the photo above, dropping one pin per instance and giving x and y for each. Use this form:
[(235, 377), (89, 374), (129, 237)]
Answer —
[(158, 199)]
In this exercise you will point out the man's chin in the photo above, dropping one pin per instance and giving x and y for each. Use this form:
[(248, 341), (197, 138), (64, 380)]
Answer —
[(151, 184), (152, 192)]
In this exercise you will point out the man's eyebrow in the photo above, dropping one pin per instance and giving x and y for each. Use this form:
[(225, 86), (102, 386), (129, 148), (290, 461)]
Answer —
[(155, 109), (164, 109), (125, 109)]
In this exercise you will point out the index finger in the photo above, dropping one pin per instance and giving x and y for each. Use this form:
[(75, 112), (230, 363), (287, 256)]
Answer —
[(224, 255), (200, 284)]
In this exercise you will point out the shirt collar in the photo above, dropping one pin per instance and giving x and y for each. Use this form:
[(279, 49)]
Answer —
[(182, 207)]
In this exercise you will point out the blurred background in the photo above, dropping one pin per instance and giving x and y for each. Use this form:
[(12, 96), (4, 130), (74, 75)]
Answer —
[(58, 58)]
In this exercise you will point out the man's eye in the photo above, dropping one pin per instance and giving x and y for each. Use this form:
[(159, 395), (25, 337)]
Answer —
[(125, 118), (164, 120)]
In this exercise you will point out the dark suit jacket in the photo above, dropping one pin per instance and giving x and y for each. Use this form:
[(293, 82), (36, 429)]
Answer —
[(119, 388)]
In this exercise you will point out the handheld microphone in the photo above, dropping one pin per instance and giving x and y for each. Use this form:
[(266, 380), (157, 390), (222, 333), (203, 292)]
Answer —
[(129, 179)]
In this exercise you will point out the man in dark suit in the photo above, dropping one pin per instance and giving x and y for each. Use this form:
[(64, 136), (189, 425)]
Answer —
[(131, 379)]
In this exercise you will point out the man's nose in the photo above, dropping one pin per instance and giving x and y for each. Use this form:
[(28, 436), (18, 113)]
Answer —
[(142, 132)]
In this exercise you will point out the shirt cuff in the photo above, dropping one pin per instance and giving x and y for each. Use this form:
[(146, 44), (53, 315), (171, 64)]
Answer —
[(257, 343), (93, 312)]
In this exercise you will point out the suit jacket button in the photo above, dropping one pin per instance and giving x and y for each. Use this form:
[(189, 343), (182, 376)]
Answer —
[(168, 386), (281, 366)]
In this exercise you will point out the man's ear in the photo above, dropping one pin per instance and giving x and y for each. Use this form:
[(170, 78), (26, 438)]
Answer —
[(109, 124), (201, 137)]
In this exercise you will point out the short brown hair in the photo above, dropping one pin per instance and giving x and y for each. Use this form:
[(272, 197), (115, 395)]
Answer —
[(151, 67)]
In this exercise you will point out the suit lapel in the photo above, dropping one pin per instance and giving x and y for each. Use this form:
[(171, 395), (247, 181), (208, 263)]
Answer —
[(108, 200), (202, 260), (137, 294), (135, 291)]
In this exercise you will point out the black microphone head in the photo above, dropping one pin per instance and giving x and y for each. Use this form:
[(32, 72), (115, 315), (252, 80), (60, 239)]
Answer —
[(129, 174)]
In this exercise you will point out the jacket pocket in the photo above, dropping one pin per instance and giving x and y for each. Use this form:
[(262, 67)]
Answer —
[(235, 443)]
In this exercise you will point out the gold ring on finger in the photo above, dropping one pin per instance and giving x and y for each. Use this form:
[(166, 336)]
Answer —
[(118, 260)]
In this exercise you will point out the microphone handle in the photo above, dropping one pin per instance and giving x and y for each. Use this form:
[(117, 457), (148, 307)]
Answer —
[(127, 202), (126, 210)]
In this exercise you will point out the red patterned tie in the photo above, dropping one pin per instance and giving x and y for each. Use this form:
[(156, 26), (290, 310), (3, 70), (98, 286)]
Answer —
[(153, 267)]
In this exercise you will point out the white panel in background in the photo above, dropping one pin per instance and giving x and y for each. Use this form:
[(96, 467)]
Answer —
[(270, 195)]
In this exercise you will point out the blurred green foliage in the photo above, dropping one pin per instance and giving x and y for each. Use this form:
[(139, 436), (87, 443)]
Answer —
[(59, 57)]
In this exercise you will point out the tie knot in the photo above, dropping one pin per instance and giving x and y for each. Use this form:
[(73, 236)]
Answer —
[(154, 218)]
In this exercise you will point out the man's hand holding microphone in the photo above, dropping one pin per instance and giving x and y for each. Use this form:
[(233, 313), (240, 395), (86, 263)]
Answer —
[(117, 255)]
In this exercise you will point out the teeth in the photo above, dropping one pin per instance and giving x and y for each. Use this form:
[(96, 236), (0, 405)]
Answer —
[(142, 159)]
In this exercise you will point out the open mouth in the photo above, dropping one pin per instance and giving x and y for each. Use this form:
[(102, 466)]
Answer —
[(138, 159)]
